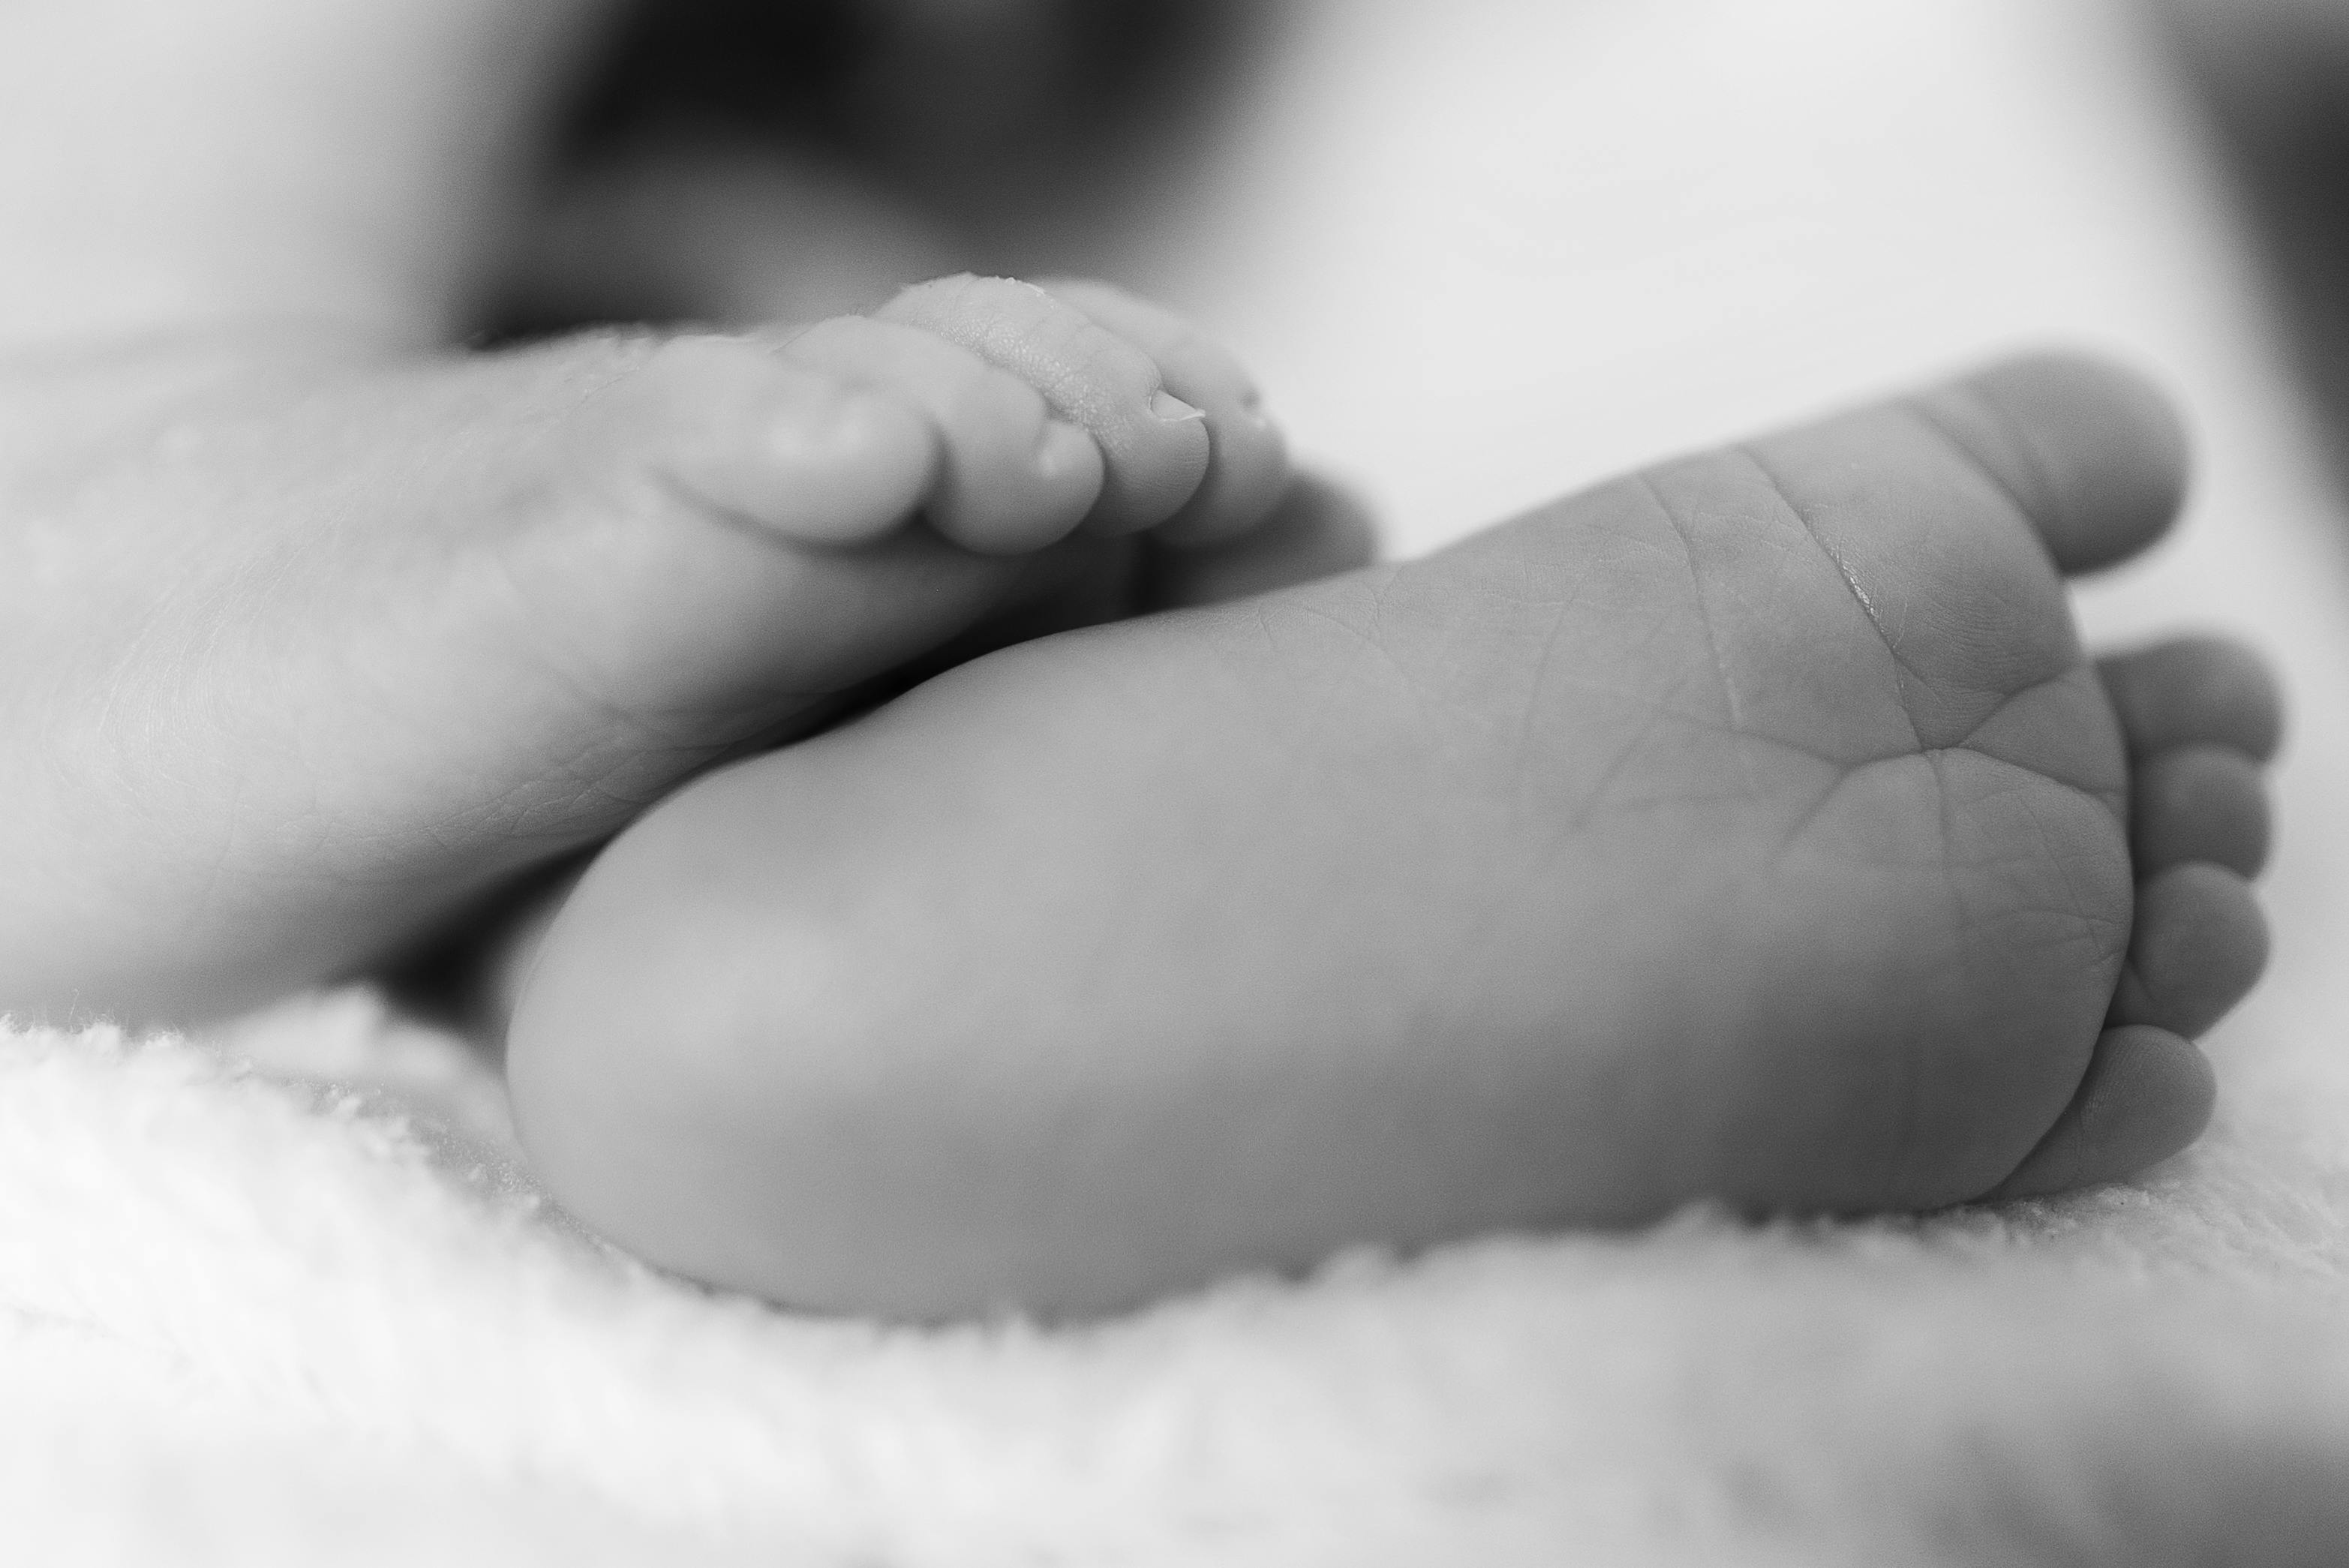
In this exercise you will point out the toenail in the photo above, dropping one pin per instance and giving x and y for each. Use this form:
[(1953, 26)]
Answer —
[(1173, 409)]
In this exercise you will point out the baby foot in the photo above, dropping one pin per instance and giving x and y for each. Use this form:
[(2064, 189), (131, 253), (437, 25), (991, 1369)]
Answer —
[(314, 645), (1752, 827)]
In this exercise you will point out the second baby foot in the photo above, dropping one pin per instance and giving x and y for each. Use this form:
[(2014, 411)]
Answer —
[(311, 645), (1753, 828)]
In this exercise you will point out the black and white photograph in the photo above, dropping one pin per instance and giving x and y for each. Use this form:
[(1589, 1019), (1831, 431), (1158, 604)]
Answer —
[(1147, 783)]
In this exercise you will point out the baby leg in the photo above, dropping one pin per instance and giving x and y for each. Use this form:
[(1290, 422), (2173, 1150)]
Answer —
[(317, 643)]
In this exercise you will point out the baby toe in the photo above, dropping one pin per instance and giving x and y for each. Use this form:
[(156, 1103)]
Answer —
[(2147, 1093), (1155, 446), (1248, 463), (791, 450), (2093, 453), (2198, 945), (2195, 691), (1011, 477), (2198, 803)]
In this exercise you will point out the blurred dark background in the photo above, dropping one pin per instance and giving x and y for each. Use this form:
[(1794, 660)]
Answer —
[(2271, 76), (734, 160)]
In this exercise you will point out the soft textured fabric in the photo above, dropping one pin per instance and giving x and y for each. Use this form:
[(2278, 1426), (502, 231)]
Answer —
[(253, 1323), (282, 1298)]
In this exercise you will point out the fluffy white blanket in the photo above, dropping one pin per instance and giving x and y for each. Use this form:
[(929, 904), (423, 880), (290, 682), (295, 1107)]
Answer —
[(244, 1322), (284, 1298)]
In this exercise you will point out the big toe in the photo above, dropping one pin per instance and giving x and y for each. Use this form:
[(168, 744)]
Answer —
[(1946, 518), (2092, 453)]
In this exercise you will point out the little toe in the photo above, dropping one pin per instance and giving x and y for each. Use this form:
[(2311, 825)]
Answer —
[(1155, 446), (1247, 464), (1316, 531), (790, 450), (1011, 477), (2147, 1093), (2092, 453), (2195, 691), (2198, 945), (2202, 803)]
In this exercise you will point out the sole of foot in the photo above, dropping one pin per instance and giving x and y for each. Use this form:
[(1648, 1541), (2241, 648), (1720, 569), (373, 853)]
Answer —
[(1751, 828), (316, 646)]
